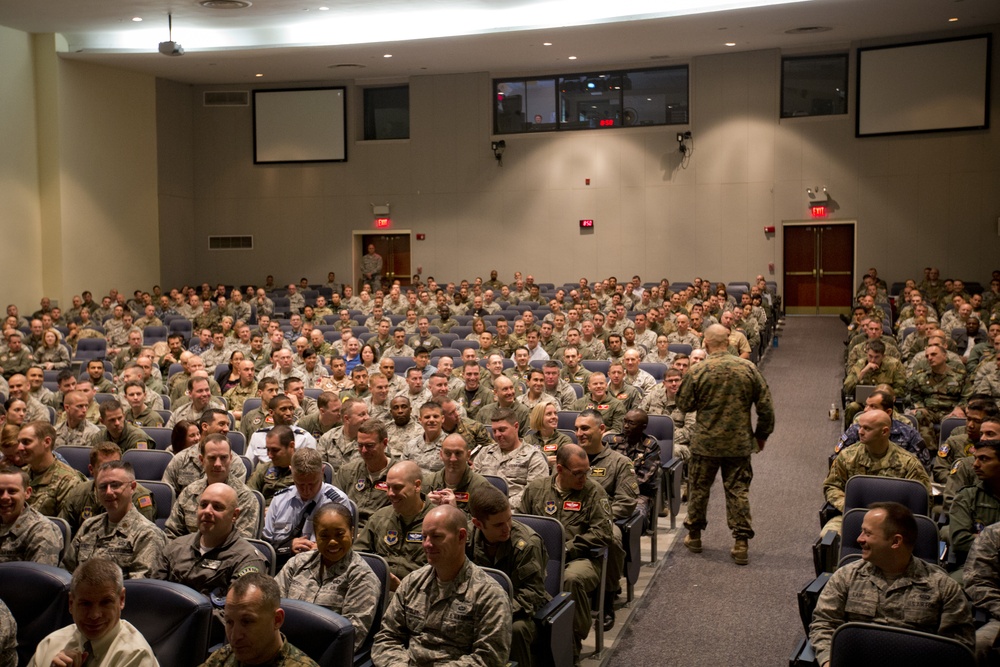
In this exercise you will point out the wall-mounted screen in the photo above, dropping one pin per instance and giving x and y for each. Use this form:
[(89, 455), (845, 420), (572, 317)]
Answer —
[(924, 87), (299, 125)]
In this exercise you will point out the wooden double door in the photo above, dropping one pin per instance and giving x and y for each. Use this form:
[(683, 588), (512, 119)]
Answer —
[(818, 268)]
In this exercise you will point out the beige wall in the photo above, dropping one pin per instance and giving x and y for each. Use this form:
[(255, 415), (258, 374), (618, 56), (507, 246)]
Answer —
[(917, 199), (20, 214)]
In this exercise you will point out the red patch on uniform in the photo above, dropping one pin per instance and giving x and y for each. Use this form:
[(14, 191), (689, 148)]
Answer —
[(550, 448), (461, 497), (572, 506), (604, 406), (382, 486)]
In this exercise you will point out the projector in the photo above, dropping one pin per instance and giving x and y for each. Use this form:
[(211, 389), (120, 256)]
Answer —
[(171, 49)]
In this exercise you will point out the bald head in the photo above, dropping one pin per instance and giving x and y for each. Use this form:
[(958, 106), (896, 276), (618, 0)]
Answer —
[(716, 338), (408, 470)]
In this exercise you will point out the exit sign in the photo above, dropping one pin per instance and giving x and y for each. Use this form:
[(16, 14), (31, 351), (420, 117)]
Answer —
[(383, 223), (818, 211)]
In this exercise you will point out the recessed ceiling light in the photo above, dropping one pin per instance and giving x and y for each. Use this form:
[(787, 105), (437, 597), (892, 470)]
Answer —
[(572, 58), (951, 20), (388, 55), (137, 19), (324, 9), (730, 43), (546, 43), (225, 4), (258, 74)]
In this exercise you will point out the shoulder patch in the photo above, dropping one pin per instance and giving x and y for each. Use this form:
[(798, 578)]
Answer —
[(287, 489), (520, 544), (954, 467), (944, 450), (249, 569), (145, 501)]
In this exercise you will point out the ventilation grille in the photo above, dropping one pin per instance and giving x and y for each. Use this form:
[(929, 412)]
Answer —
[(230, 243), (227, 98)]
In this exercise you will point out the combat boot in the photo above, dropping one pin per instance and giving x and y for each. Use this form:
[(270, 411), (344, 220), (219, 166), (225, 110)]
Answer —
[(693, 541), (740, 552)]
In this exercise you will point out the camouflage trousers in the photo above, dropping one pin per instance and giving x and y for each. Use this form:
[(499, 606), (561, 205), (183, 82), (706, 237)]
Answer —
[(736, 476), (926, 420)]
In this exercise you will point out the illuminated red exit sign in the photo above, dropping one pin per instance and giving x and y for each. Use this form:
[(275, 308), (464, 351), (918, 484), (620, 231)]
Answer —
[(818, 211), (607, 122), (383, 223)]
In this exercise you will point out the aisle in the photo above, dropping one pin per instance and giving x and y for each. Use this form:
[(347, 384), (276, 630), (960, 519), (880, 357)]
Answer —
[(705, 610)]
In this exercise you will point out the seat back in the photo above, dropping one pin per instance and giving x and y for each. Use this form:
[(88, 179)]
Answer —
[(680, 348), (237, 442), (948, 425), (261, 504), (148, 463), (660, 427), (499, 482), (325, 636), (251, 404), (173, 618), (567, 420), (267, 551), (551, 532), (65, 531), (863, 490), (38, 598), (163, 496), (159, 436), (657, 370), (596, 365), (154, 334), (381, 569), (501, 578), (77, 456), (925, 549), (871, 645)]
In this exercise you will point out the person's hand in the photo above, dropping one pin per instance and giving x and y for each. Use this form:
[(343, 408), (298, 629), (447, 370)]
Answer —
[(74, 658), (394, 582), (442, 497), (302, 545)]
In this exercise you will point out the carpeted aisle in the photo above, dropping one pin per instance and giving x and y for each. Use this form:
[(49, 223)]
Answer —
[(704, 609)]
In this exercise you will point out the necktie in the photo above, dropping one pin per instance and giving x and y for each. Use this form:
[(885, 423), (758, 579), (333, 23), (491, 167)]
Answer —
[(303, 515), (89, 651)]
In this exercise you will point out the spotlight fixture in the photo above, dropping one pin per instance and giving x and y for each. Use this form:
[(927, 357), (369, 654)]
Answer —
[(498, 148), (681, 146)]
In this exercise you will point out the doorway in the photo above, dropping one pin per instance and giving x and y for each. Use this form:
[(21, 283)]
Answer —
[(818, 268), (394, 248)]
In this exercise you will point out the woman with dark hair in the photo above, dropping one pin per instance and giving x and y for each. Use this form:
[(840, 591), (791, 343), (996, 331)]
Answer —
[(185, 434)]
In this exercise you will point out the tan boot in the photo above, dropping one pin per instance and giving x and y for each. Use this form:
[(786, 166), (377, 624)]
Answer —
[(740, 552), (693, 541)]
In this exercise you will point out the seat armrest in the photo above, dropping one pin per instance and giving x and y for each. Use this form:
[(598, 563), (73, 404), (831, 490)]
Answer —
[(552, 606)]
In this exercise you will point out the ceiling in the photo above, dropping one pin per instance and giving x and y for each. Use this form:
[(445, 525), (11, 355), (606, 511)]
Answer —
[(294, 40)]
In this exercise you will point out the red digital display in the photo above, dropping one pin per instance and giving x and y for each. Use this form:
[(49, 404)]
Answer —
[(818, 211), (607, 122), (586, 224), (382, 223)]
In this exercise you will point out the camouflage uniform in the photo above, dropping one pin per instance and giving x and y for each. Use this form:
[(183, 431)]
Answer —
[(269, 479), (924, 598), (722, 389), (336, 449), (517, 467), (8, 637), (185, 468), (425, 454), (521, 413), (612, 410), (133, 543), (470, 483), (366, 491), (587, 523), (311, 424), (288, 656), (82, 504), (982, 585), (900, 433), (183, 517), (209, 573), (645, 458), (32, 537), (427, 623), (399, 436), (81, 436), (237, 394), (522, 558), (398, 541), (474, 433), (628, 394), (347, 587), (933, 396), (891, 372), (658, 403), (16, 362), (550, 445), (256, 419), (856, 460), (51, 487), (974, 508)]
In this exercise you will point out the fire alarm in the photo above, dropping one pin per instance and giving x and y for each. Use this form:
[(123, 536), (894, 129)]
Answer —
[(421, 237)]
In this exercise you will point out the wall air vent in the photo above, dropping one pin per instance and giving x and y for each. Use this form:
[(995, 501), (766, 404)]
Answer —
[(227, 98), (230, 243)]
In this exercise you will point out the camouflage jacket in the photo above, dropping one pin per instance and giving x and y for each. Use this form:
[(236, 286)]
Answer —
[(133, 543), (855, 460)]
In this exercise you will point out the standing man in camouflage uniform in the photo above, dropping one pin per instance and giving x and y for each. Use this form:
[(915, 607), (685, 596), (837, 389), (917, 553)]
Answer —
[(447, 611), (120, 534), (51, 480), (371, 267), (722, 389), (516, 550), (582, 507), (891, 587), (25, 535), (874, 455)]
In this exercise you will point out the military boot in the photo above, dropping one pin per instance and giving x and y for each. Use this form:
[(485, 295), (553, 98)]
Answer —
[(740, 552), (693, 541)]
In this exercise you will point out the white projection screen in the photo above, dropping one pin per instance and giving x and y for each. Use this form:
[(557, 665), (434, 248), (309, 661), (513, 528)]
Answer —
[(924, 87), (299, 125)]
